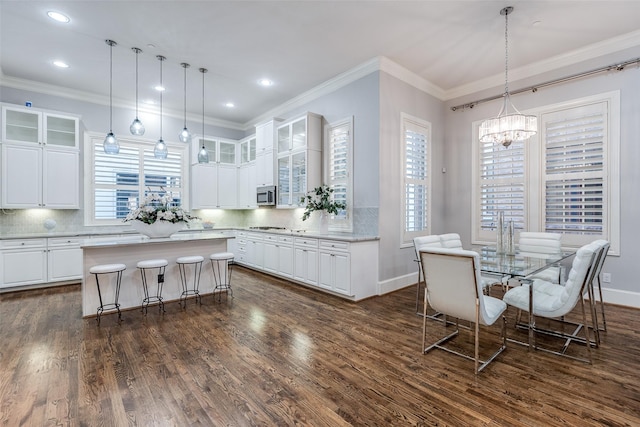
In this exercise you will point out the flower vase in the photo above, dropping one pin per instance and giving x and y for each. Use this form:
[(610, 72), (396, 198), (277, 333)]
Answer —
[(158, 229), (324, 222), (510, 248), (500, 243)]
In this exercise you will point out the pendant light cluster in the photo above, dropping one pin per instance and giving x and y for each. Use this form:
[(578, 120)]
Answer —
[(160, 150)]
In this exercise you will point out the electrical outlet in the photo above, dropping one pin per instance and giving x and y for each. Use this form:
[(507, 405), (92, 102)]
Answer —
[(606, 277)]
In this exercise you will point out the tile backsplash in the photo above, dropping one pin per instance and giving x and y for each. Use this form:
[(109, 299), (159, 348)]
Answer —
[(27, 221)]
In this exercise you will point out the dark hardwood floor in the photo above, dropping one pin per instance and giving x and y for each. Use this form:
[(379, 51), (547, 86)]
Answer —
[(280, 354)]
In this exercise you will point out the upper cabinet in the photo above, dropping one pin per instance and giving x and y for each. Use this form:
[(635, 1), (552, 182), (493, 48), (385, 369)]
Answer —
[(220, 150), (248, 150), (40, 159), (299, 158), (25, 125)]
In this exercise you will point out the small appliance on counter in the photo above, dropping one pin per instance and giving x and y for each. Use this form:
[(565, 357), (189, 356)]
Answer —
[(266, 196)]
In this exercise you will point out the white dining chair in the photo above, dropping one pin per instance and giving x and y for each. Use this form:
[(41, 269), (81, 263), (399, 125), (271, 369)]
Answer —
[(453, 287), (541, 243)]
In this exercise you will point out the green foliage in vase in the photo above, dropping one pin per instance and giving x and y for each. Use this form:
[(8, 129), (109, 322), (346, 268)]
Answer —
[(320, 199)]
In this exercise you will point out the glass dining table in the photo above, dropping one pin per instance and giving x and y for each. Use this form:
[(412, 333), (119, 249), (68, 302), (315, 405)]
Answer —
[(518, 265)]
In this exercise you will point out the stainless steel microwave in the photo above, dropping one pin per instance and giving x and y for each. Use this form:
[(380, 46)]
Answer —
[(266, 196)]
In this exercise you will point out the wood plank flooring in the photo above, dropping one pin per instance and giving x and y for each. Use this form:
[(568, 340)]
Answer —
[(279, 355)]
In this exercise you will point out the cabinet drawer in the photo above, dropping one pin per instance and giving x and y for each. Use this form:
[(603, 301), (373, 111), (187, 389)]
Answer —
[(287, 240), (254, 236), (270, 238), (334, 245), (65, 242), (22, 243), (306, 242)]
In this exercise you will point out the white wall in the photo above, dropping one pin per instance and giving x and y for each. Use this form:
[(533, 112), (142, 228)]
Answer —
[(625, 269)]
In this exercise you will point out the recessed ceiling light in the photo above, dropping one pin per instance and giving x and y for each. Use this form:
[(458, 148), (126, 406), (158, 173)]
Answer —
[(159, 88), (229, 105), (57, 16), (265, 82), (149, 101), (60, 64)]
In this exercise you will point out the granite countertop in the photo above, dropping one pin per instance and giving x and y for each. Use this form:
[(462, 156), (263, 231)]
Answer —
[(331, 235), (137, 239)]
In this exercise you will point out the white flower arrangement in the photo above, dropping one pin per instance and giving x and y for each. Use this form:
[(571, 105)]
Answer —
[(156, 207)]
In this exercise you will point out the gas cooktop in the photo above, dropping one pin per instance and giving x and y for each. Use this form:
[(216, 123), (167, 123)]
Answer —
[(266, 227)]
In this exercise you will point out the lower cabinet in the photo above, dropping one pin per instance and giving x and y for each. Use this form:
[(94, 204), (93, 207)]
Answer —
[(23, 262), (35, 261), (348, 269), (335, 267), (64, 259)]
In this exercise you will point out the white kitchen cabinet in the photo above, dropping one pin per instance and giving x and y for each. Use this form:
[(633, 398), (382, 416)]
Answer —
[(33, 176), (40, 159), (23, 262), (32, 126), (299, 158), (335, 267), (285, 256), (64, 259), (220, 150), (247, 186), (270, 260), (213, 186), (264, 168), (305, 264), (247, 150), (255, 250), (265, 160)]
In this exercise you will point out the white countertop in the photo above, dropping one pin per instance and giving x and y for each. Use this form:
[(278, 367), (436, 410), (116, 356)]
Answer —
[(137, 239)]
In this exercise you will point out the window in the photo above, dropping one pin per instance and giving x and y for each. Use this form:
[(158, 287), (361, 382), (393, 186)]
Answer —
[(339, 146), (416, 135), (117, 183), (563, 180)]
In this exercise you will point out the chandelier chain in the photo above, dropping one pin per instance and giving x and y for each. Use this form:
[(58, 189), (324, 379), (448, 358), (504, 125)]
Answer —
[(506, 53)]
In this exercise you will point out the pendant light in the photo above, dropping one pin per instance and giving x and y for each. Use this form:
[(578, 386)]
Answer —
[(136, 128), (508, 126), (160, 150), (110, 144), (203, 154), (185, 135)]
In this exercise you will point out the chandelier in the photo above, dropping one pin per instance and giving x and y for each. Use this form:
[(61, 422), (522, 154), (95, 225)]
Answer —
[(510, 125)]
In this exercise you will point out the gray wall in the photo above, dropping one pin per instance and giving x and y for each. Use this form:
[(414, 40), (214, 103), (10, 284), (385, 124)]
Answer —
[(625, 269)]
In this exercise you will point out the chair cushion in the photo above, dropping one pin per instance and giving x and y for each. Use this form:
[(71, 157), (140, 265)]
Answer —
[(107, 268), (189, 259), (221, 256), (494, 307), (152, 263), (550, 274), (451, 241)]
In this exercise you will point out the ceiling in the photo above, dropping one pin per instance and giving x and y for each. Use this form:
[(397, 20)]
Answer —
[(456, 46)]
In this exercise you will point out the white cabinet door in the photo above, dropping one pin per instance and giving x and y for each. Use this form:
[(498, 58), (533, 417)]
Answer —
[(342, 277), (61, 183), (306, 265), (204, 186), (23, 262), (264, 168), (325, 278), (227, 186), (21, 125), (270, 257), (335, 267), (285, 260), (65, 263), (21, 176)]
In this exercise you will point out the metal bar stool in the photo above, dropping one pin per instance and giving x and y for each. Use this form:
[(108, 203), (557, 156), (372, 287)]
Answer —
[(161, 265), (221, 263), (107, 269), (196, 261)]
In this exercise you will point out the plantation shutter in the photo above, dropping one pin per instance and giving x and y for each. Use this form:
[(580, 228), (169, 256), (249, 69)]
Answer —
[(416, 179), (338, 171), (574, 141), (502, 184)]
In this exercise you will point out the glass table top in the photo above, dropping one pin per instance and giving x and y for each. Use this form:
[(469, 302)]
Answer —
[(519, 265)]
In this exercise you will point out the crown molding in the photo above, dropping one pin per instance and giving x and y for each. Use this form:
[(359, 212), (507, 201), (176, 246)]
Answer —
[(605, 47), (409, 77), (93, 98)]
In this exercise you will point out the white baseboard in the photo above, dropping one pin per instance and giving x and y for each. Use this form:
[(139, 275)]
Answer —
[(397, 283), (618, 297)]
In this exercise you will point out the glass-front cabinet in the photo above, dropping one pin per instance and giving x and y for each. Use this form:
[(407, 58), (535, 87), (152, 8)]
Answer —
[(299, 158), (220, 151), (247, 150), (24, 125)]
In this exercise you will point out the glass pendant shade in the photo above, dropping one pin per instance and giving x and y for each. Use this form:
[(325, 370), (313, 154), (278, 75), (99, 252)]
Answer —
[(136, 128), (110, 144), (160, 151), (203, 154), (185, 135), (508, 126)]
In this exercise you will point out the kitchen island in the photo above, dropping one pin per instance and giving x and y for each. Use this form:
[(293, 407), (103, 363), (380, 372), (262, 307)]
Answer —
[(129, 250)]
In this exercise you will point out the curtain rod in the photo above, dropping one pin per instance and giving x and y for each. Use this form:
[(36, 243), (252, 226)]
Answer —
[(534, 88)]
